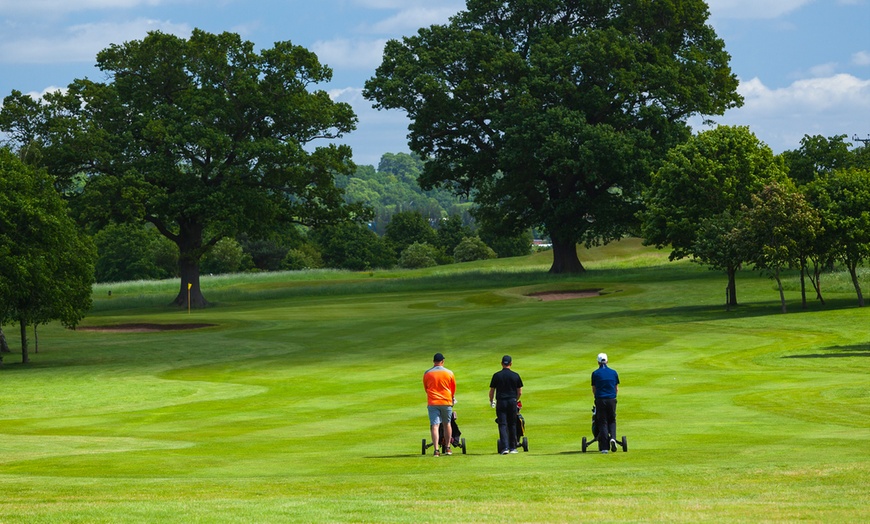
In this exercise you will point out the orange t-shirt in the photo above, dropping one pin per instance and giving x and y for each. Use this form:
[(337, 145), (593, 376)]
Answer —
[(440, 386)]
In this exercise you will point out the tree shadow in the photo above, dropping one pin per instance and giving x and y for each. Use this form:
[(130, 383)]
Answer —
[(707, 312), (854, 350)]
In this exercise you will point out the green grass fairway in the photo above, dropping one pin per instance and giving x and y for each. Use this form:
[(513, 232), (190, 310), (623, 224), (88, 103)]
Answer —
[(303, 401)]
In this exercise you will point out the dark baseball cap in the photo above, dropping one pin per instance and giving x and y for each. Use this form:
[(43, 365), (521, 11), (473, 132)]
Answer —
[(438, 357), (506, 359)]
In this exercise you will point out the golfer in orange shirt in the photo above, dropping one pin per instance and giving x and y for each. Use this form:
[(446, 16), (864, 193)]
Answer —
[(440, 387)]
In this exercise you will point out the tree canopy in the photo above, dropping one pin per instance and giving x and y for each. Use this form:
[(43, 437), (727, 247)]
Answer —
[(842, 198), (553, 112), (697, 196), (777, 231), (202, 137), (818, 155), (46, 263)]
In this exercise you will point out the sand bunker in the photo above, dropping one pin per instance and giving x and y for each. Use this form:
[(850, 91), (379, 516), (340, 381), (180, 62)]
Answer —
[(565, 295)]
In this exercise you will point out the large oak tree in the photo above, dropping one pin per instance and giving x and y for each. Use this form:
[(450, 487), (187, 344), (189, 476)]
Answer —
[(552, 113), (202, 137)]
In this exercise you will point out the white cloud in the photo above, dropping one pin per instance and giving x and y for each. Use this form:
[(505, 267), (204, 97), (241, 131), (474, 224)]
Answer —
[(413, 19), (378, 132), (81, 43), (364, 109), (809, 96), (861, 58), (828, 106), (39, 95), (754, 8), (824, 70), (55, 7), (350, 54), (456, 5)]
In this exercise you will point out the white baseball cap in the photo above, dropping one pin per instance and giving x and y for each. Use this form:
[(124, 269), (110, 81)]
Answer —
[(602, 357)]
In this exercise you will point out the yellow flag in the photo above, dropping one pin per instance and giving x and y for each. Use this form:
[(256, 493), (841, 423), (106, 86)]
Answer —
[(189, 285)]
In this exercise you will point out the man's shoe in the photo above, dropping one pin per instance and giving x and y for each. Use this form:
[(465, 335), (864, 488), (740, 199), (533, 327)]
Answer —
[(514, 451), (604, 451), (505, 452), (436, 454), (449, 451), (613, 445)]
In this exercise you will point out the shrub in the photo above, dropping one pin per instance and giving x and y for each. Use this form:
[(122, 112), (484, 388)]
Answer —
[(227, 256), (127, 252), (417, 255), (472, 248), (305, 256), (352, 246)]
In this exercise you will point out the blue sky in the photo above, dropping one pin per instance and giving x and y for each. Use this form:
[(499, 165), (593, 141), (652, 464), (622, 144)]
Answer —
[(804, 65)]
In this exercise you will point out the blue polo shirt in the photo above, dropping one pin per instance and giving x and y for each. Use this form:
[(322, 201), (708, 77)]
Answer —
[(605, 380)]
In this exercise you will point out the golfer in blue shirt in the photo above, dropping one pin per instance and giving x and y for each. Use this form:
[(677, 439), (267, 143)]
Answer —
[(605, 386)]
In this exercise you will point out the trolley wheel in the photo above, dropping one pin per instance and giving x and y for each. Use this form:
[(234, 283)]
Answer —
[(424, 446), (584, 445), (624, 443), (525, 444), (462, 445)]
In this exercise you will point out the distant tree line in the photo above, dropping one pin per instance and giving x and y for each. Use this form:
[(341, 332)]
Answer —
[(394, 187), (434, 222), (570, 118)]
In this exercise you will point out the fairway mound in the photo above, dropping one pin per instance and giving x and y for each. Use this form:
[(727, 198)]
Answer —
[(565, 295), (143, 328)]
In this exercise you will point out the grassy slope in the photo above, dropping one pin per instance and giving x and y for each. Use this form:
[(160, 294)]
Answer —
[(304, 402)]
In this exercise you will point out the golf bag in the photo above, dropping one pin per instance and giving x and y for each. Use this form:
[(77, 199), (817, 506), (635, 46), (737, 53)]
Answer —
[(520, 424), (455, 440), (623, 442)]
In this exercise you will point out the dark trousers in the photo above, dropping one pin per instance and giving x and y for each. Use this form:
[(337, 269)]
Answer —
[(506, 416), (605, 421)]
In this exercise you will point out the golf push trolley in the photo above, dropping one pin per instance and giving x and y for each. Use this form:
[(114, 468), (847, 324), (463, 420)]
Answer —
[(521, 441), (623, 443), (456, 441)]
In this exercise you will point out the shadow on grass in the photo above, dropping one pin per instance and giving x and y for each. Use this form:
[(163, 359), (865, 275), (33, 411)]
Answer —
[(854, 350), (694, 313), (429, 455)]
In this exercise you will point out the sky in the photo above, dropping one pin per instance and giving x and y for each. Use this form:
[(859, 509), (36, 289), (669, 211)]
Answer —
[(803, 65)]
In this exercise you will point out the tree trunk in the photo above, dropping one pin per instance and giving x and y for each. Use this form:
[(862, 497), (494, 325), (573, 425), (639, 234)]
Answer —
[(853, 272), (190, 251), (779, 286), (804, 271), (4, 346), (816, 281), (731, 290), (565, 258), (25, 358), (189, 286)]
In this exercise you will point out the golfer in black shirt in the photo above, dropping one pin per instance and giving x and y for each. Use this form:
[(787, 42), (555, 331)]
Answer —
[(506, 387)]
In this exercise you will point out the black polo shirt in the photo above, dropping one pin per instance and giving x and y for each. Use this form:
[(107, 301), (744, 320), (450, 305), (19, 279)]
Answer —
[(506, 383)]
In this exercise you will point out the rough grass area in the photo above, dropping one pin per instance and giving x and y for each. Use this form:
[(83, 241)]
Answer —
[(299, 399)]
